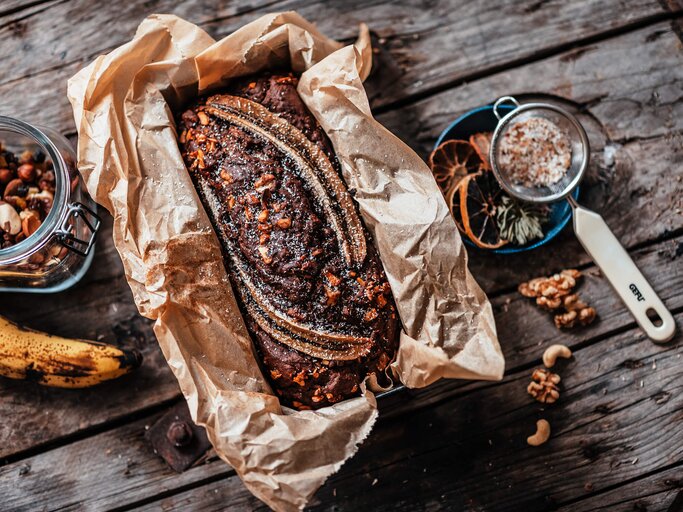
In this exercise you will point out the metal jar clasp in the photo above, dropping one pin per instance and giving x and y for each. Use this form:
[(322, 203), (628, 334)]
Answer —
[(65, 232)]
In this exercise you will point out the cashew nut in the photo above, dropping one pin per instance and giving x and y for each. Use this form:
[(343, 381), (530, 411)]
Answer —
[(542, 433), (9, 219), (553, 352)]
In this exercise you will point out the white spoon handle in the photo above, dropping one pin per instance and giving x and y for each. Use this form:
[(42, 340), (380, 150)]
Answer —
[(619, 269)]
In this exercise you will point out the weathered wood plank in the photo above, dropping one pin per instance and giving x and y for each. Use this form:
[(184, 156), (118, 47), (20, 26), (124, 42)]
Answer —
[(12, 11), (425, 45), (618, 418), (634, 114), (654, 493), (102, 472)]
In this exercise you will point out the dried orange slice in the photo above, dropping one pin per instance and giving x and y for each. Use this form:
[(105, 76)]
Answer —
[(453, 202), (479, 195), (481, 142), (451, 161)]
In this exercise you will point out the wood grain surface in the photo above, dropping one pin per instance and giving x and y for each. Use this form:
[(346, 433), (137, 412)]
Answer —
[(617, 443)]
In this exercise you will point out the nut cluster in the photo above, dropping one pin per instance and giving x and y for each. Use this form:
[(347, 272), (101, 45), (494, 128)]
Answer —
[(554, 294), (27, 184), (544, 387)]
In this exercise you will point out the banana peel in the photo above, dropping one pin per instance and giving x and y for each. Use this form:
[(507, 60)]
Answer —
[(60, 362)]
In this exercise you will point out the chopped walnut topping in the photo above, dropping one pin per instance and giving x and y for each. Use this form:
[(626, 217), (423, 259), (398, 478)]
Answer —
[(265, 182), (300, 378), (284, 223), (332, 296), (183, 137), (317, 398), (275, 374), (263, 216), (381, 300), (264, 238), (248, 214), (201, 138), (300, 406), (253, 199), (231, 202), (316, 252), (226, 176), (370, 315), (200, 159), (203, 118), (543, 386), (332, 279), (263, 250)]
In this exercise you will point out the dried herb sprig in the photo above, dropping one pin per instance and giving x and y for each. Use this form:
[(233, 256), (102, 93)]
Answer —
[(520, 223)]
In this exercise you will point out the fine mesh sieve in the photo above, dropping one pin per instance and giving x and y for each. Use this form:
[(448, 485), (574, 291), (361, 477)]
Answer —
[(590, 228), (562, 119)]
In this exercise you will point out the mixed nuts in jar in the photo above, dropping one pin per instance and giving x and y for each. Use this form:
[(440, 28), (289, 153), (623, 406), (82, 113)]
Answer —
[(47, 220), (27, 183)]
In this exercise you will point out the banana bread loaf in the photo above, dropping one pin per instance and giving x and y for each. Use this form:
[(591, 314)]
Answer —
[(307, 277)]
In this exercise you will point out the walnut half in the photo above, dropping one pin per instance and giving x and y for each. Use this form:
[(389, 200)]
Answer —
[(544, 386)]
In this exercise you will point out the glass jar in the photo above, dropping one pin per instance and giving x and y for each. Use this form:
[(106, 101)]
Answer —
[(59, 252)]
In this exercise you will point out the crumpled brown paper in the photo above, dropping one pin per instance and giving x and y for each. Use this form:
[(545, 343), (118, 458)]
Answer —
[(123, 104)]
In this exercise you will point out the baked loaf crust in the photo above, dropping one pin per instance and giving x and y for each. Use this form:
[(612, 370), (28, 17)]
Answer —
[(308, 279)]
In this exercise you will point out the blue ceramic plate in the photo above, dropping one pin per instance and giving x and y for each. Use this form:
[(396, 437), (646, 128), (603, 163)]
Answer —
[(482, 120)]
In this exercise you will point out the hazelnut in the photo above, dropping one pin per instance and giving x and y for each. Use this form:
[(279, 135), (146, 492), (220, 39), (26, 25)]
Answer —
[(6, 175), (30, 225), (10, 221), (26, 157), (26, 173), (47, 181), (16, 187)]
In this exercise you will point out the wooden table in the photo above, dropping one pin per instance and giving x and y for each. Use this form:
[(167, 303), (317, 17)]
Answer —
[(617, 439)]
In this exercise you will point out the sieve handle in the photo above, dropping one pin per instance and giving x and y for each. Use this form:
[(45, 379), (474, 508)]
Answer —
[(622, 273), (501, 101)]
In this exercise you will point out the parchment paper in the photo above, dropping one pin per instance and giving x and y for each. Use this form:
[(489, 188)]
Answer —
[(123, 105)]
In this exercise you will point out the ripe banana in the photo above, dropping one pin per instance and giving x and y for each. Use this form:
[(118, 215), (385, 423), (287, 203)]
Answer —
[(60, 362)]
